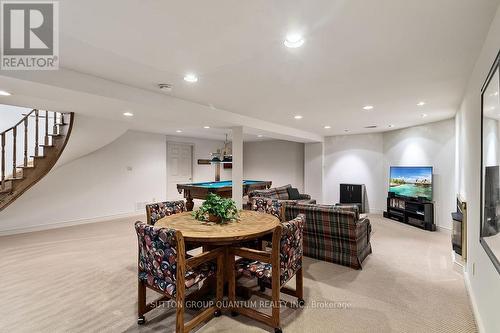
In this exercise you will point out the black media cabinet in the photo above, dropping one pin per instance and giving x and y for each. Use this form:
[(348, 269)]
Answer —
[(418, 213)]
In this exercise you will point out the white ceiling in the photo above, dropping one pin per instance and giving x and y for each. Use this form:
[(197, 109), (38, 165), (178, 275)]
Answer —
[(387, 53)]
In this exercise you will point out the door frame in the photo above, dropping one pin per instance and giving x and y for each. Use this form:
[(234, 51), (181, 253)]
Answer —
[(166, 160)]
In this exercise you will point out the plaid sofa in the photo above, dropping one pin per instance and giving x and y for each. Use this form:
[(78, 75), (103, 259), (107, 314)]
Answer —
[(334, 234), (280, 194)]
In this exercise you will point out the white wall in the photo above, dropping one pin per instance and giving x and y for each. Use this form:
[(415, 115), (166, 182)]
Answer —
[(355, 159), (110, 181), (313, 170), (481, 275), (282, 162), (428, 145), (366, 159), (119, 178), (10, 115)]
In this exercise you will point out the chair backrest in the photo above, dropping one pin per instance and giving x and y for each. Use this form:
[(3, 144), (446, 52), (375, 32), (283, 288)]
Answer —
[(159, 255), (280, 193), (325, 222), (291, 247), (269, 206), (158, 210)]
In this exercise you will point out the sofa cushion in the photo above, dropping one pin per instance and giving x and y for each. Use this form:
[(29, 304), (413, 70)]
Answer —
[(293, 193)]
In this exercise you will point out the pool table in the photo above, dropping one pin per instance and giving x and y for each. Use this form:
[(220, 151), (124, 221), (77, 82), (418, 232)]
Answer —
[(221, 188)]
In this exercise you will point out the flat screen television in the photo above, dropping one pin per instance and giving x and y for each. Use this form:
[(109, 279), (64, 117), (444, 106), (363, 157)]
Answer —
[(411, 182)]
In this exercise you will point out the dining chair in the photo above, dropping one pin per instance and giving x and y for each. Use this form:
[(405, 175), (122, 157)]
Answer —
[(259, 264), (266, 205), (158, 210), (269, 206), (163, 267)]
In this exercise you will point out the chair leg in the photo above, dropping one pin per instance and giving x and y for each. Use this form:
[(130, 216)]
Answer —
[(179, 322), (220, 285), (141, 301), (262, 285), (276, 299), (299, 287), (231, 282)]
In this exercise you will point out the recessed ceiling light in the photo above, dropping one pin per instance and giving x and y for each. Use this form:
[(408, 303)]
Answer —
[(368, 107), (298, 117), (260, 136), (424, 115), (191, 78), (421, 103), (206, 127), (327, 127), (165, 87), (179, 131), (294, 40), (128, 114), (391, 126), (4, 93), (494, 94)]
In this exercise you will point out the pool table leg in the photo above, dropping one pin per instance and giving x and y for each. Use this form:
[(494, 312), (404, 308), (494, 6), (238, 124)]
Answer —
[(189, 203)]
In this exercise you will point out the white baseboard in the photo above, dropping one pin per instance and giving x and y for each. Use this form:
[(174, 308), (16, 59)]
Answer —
[(41, 227), (472, 298), (442, 228)]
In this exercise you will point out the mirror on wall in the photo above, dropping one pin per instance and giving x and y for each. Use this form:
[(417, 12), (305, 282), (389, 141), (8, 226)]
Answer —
[(490, 169)]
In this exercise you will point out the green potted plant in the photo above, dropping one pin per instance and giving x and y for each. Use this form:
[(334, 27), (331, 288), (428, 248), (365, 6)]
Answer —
[(217, 209)]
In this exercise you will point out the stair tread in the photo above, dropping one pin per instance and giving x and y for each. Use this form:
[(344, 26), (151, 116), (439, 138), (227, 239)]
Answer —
[(46, 146), (54, 134), (26, 167), (39, 156)]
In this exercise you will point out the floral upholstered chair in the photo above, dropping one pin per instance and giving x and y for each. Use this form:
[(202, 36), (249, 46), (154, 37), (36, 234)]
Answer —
[(286, 259), (163, 267), (267, 205), (158, 210)]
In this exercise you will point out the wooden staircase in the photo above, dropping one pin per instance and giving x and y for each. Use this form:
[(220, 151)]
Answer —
[(29, 150)]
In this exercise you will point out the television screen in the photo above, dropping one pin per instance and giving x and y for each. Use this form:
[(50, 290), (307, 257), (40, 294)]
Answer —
[(412, 182)]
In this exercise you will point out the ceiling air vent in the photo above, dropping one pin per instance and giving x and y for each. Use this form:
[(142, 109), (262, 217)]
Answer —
[(371, 126)]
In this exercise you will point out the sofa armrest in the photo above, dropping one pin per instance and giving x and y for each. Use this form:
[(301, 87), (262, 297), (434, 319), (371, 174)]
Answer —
[(365, 223), (304, 197)]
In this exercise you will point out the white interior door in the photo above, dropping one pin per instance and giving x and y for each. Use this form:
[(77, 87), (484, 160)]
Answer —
[(179, 167)]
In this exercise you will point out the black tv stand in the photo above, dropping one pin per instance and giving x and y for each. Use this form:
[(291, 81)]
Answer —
[(418, 213)]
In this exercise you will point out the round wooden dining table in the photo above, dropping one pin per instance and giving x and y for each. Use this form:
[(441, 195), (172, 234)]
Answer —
[(251, 225)]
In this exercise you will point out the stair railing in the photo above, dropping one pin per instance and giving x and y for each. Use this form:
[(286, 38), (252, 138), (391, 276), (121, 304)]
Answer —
[(7, 150)]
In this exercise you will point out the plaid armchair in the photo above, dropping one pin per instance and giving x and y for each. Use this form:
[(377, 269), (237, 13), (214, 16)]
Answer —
[(281, 194), (334, 234)]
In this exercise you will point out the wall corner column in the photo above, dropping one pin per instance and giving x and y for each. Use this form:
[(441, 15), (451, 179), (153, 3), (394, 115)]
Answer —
[(314, 157), (237, 171)]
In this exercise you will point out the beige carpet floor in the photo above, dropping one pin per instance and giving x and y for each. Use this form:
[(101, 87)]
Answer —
[(83, 279)]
